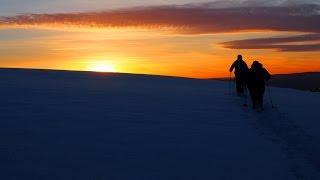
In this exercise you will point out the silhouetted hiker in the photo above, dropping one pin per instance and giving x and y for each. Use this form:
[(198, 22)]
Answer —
[(241, 70), (257, 76)]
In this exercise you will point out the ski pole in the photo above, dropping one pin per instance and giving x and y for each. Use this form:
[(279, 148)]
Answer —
[(245, 94), (270, 97), (230, 84)]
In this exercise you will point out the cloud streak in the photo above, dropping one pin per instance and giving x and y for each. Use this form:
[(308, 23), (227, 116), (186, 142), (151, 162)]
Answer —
[(205, 18), (201, 19), (279, 43)]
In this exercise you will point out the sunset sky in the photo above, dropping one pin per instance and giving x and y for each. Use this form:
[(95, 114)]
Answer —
[(189, 38)]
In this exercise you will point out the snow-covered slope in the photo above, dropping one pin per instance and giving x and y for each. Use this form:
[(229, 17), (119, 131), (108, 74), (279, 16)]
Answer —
[(71, 125)]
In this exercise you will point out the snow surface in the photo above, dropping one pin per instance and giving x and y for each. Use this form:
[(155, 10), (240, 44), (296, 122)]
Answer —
[(71, 125)]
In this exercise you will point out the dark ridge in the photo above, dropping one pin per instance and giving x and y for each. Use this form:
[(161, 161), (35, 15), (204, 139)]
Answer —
[(307, 81), (83, 73)]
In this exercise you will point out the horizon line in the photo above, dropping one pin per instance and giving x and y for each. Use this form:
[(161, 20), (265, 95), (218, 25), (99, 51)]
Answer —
[(139, 74)]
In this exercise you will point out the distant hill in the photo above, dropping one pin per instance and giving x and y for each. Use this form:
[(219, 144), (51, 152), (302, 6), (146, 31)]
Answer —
[(303, 81), (308, 81)]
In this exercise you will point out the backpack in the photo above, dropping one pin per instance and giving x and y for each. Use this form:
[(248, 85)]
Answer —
[(241, 68), (258, 76)]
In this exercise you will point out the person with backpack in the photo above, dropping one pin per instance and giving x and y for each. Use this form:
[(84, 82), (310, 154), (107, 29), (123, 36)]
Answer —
[(257, 76), (240, 70)]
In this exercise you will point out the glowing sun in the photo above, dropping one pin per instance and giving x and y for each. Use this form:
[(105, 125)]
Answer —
[(101, 67)]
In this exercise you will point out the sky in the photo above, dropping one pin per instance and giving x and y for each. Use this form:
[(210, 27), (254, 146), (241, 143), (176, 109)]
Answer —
[(198, 39), (13, 7)]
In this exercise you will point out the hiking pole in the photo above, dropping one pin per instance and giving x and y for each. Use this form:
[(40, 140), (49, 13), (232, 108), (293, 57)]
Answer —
[(245, 95), (230, 84), (270, 97)]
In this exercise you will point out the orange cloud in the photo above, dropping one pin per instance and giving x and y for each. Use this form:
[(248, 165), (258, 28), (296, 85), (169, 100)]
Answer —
[(311, 43), (187, 20)]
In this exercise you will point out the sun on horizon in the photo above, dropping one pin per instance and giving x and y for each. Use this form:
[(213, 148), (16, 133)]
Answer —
[(101, 66)]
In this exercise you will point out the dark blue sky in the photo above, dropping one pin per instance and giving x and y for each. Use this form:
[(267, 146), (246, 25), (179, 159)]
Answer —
[(12, 7)]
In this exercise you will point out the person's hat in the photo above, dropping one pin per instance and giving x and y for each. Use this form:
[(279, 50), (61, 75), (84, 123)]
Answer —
[(256, 63)]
